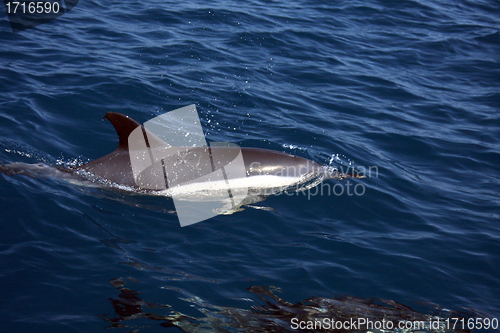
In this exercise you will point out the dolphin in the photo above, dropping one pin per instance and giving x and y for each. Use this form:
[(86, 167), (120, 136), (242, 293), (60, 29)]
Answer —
[(265, 171), (264, 163)]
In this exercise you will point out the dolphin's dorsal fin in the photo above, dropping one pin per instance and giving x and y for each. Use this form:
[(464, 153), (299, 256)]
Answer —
[(124, 125)]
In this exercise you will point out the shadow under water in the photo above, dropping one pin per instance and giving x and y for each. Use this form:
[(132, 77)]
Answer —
[(315, 314)]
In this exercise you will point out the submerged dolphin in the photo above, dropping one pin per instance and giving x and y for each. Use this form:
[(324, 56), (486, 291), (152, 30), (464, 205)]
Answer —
[(343, 314), (265, 171)]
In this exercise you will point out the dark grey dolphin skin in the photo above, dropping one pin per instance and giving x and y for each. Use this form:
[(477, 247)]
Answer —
[(116, 166)]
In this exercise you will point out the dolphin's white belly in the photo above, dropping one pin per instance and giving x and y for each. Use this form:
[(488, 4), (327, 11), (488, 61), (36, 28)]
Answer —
[(259, 182)]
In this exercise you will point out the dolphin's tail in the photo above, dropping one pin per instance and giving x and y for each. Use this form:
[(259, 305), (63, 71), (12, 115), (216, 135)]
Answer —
[(35, 170), (10, 169), (19, 168)]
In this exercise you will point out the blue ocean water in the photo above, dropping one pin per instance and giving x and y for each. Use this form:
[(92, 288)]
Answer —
[(408, 88)]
